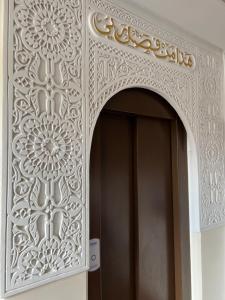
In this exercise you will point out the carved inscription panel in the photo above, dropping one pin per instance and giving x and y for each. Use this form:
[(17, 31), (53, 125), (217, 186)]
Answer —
[(109, 28)]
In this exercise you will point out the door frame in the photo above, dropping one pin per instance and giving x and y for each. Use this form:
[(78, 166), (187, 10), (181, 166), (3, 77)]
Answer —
[(164, 110)]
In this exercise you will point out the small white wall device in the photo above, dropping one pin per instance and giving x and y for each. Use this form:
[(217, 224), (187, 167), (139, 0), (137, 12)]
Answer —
[(94, 261)]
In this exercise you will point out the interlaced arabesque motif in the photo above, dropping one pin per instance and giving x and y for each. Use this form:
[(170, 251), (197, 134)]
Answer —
[(45, 215), (47, 136), (112, 69)]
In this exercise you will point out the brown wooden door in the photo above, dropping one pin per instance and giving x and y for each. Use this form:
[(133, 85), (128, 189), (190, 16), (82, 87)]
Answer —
[(138, 201)]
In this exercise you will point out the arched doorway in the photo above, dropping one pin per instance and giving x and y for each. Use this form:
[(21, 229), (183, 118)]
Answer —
[(139, 200)]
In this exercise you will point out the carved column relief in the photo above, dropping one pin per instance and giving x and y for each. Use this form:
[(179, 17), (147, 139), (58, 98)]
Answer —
[(45, 206), (211, 140)]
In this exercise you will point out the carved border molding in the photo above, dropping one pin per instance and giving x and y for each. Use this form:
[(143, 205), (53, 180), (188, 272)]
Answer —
[(112, 70), (60, 75)]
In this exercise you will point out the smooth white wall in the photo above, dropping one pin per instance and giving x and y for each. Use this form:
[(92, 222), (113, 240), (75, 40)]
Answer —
[(213, 264), (71, 288), (196, 266)]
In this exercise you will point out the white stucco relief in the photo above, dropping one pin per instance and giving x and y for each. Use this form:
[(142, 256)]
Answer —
[(196, 93), (61, 73), (45, 208)]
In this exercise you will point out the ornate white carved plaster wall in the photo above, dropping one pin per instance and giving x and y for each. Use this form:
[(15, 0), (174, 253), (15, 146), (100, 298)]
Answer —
[(61, 71)]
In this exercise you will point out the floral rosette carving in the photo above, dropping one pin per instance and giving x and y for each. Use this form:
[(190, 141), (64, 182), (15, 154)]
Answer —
[(51, 256), (46, 207), (49, 27), (48, 147)]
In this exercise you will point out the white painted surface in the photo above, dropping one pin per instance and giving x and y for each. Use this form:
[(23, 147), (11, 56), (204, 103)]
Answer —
[(196, 266), (72, 288), (94, 254), (3, 147), (203, 18), (213, 264), (193, 187)]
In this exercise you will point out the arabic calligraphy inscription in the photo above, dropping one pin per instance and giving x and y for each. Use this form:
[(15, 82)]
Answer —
[(111, 29)]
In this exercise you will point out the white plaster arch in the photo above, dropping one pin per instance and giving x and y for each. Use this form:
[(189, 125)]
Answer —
[(191, 147), (193, 192)]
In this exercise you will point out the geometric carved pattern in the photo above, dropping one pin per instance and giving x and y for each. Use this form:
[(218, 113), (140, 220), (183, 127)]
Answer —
[(112, 69), (45, 206), (211, 143), (50, 125)]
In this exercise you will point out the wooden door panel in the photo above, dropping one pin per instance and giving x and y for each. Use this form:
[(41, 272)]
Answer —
[(141, 102), (116, 257), (155, 211), (113, 154)]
